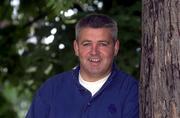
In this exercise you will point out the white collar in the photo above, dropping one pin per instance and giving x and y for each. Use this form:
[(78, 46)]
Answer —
[(93, 87)]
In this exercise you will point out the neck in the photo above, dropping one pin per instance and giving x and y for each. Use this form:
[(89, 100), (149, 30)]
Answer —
[(92, 78)]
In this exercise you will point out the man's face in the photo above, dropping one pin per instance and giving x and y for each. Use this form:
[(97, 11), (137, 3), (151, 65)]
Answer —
[(96, 49)]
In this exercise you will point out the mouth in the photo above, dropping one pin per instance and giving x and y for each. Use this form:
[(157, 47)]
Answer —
[(94, 60)]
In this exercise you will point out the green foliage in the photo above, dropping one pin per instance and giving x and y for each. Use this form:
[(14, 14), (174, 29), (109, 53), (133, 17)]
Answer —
[(25, 65), (6, 110)]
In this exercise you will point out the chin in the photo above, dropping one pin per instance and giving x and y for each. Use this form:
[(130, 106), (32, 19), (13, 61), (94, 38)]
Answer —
[(94, 72)]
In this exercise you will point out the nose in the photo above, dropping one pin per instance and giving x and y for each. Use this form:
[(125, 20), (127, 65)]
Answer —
[(94, 49)]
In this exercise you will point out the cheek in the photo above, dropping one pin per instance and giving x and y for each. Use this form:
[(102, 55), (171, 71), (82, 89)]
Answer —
[(108, 53), (83, 53)]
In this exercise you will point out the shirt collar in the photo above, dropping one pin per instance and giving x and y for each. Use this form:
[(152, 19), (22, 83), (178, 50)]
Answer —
[(77, 68)]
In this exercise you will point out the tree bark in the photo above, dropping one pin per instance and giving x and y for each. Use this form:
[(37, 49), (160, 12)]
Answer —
[(160, 59)]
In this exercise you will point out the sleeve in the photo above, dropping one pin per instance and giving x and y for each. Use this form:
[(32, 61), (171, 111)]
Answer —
[(40, 106), (38, 109), (131, 109)]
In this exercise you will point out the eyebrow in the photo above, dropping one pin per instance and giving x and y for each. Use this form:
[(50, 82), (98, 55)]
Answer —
[(100, 41), (104, 41), (85, 41)]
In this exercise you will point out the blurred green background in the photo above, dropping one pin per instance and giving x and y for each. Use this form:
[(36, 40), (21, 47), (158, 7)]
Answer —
[(36, 42)]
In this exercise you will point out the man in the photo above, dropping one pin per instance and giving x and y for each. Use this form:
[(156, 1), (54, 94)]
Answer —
[(94, 89)]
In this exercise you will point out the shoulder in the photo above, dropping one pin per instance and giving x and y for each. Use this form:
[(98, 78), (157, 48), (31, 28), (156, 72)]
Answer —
[(55, 82), (58, 78), (52, 85), (125, 81), (121, 75)]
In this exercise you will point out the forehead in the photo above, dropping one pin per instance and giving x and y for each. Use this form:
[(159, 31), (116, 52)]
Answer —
[(95, 33)]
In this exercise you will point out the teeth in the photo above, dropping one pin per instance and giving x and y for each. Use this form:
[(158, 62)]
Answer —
[(94, 60)]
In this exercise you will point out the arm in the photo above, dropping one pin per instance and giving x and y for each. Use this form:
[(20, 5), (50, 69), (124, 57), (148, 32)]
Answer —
[(131, 106), (38, 108)]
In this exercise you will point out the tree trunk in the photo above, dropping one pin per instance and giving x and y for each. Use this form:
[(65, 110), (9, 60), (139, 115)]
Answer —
[(160, 61)]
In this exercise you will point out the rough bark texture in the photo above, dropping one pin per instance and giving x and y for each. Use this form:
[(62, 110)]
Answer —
[(160, 61)]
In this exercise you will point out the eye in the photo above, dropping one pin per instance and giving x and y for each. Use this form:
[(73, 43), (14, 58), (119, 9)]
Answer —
[(86, 44), (103, 44)]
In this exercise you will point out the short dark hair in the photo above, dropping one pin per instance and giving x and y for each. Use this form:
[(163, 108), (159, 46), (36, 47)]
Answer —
[(97, 21)]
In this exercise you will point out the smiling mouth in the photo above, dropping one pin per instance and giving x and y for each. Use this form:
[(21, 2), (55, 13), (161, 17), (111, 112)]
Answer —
[(95, 60)]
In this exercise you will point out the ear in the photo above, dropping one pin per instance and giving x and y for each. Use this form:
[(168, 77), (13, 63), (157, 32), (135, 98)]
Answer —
[(76, 47), (116, 47)]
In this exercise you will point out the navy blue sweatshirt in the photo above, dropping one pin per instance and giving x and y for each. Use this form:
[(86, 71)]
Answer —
[(62, 96)]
